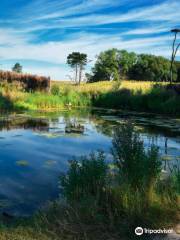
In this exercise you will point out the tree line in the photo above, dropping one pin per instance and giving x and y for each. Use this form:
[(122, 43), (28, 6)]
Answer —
[(115, 64)]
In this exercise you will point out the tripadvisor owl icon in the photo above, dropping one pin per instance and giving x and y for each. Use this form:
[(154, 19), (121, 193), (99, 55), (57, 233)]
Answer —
[(139, 231)]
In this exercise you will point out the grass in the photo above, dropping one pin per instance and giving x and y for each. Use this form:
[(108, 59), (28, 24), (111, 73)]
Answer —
[(128, 95), (132, 194), (157, 99), (106, 86)]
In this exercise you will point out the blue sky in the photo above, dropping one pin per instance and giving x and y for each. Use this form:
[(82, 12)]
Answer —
[(41, 33)]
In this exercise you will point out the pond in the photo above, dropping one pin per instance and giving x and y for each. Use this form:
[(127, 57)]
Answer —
[(35, 149)]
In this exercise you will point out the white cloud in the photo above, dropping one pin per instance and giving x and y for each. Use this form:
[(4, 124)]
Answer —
[(20, 41), (45, 9), (56, 52), (12, 37), (162, 12)]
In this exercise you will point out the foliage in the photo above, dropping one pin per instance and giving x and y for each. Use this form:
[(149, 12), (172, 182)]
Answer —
[(77, 60), (114, 64), (136, 166), (106, 66), (157, 99), (55, 90), (124, 204), (131, 95), (28, 81), (5, 103), (177, 65), (126, 61), (152, 68), (17, 68), (49, 102), (86, 176)]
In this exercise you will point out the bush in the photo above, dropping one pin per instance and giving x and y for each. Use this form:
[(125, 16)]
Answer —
[(28, 81), (55, 90), (139, 168), (158, 99), (127, 196), (86, 177)]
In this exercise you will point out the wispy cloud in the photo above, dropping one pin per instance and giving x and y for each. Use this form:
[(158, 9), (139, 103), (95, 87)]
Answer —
[(48, 30)]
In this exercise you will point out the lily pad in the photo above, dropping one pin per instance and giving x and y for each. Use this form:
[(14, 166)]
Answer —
[(167, 158), (50, 162), (22, 163), (5, 203)]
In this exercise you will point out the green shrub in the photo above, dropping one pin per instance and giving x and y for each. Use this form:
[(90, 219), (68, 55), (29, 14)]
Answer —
[(85, 177), (55, 90), (137, 167), (129, 195), (158, 100)]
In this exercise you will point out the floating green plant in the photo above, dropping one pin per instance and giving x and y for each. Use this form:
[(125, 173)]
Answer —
[(167, 158), (22, 163), (51, 135), (5, 203), (50, 162)]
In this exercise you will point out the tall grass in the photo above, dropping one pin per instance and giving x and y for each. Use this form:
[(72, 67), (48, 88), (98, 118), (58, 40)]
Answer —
[(86, 176), (126, 197), (157, 99), (42, 101), (105, 86), (128, 95)]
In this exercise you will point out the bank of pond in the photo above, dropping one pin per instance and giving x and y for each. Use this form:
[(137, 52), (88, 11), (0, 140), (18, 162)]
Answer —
[(144, 96)]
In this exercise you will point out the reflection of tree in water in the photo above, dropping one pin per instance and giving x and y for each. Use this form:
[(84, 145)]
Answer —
[(102, 126), (23, 123), (73, 126), (105, 128)]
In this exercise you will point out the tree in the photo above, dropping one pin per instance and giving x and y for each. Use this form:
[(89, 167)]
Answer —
[(177, 64), (113, 64), (77, 61), (174, 51), (17, 68), (152, 68), (126, 61), (106, 66)]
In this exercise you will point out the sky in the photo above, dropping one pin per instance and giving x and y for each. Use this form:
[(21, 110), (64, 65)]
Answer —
[(41, 33)]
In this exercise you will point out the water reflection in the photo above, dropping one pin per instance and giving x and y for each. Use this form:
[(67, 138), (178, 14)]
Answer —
[(35, 148)]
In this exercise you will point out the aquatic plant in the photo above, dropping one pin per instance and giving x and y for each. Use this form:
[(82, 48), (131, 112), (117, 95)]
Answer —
[(22, 163), (138, 168), (131, 95), (86, 176), (124, 193)]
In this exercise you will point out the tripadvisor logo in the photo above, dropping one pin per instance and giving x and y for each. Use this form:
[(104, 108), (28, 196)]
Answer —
[(139, 231)]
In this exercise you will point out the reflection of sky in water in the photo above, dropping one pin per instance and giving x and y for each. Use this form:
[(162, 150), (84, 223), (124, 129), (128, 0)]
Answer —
[(24, 188), (27, 187)]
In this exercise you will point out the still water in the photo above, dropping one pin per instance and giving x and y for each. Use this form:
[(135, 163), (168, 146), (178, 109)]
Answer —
[(35, 149)]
